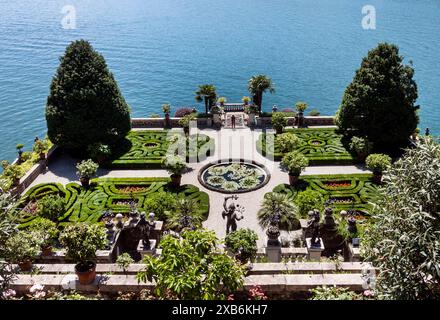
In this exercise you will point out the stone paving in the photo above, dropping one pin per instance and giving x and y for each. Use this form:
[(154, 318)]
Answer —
[(235, 144)]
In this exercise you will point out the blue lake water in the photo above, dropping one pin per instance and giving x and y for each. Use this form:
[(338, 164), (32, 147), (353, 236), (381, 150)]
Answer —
[(160, 50)]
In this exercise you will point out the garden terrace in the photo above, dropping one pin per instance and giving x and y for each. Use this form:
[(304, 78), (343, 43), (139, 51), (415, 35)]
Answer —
[(320, 146), (344, 192), (146, 149), (115, 194)]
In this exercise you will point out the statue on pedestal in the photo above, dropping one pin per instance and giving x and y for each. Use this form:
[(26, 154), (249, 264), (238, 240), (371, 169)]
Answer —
[(313, 226), (231, 213), (146, 226)]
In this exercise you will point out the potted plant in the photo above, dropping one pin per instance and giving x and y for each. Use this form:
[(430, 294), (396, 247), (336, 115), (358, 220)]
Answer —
[(166, 108), (19, 148), (295, 162), (176, 166), (287, 141), (300, 108), (185, 122), (86, 169), (81, 241), (48, 232), (40, 147), (361, 147), (13, 172), (246, 100), (123, 261), (23, 248), (51, 207), (279, 121), (378, 163), (243, 244), (222, 101), (99, 152)]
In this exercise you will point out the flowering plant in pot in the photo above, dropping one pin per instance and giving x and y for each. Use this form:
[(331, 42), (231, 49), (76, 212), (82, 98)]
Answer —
[(279, 121), (19, 148), (176, 166), (100, 152), (81, 241), (166, 108), (246, 100), (294, 162), (48, 233), (40, 147), (378, 163), (222, 101), (23, 248), (86, 169), (300, 108), (361, 147)]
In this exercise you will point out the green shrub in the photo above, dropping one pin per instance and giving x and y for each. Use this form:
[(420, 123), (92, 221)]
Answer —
[(51, 207), (184, 209), (308, 200), (287, 141), (378, 163), (279, 121), (87, 168), (99, 151), (47, 231), (160, 203), (334, 293), (295, 162), (13, 172), (360, 146), (123, 261), (278, 204), (22, 246), (185, 121), (82, 240), (243, 243), (314, 113), (175, 165)]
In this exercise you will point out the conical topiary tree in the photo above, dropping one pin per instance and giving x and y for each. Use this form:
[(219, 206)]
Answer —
[(380, 102), (85, 105)]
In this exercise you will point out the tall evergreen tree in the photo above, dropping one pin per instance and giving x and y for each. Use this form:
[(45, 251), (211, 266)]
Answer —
[(85, 105), (380, 102)]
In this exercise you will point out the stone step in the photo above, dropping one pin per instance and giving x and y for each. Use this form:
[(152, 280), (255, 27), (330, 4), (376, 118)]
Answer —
[(257, 268), (129, 283)]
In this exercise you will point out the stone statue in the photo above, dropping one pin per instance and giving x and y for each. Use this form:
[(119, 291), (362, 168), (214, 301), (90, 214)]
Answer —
[(329, 221), (231, 213), (119, 222), (313, 226), (146, 227)]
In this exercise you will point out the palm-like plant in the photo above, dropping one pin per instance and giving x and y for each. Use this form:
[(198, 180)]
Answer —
[(207, 93), (257, 85), (277, 207), (185, 215)]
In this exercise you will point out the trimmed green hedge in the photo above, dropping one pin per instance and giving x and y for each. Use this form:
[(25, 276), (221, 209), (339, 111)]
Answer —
[(89, 205), (359, 189), (319, 145), (148, 147)]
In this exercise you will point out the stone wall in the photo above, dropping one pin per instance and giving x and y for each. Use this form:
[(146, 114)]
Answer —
[(291, 121)]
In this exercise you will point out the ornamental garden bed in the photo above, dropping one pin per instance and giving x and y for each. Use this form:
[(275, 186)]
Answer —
[(319, 145), (357, 196), (89, 205), (146, 149)]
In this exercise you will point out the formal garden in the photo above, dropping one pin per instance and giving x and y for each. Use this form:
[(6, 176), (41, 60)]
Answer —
[(348, 211)]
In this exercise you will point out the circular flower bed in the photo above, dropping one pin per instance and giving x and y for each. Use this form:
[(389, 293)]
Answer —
[(233, 176)]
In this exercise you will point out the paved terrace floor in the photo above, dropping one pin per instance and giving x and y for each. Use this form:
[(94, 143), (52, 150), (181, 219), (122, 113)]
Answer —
[(236, 144)]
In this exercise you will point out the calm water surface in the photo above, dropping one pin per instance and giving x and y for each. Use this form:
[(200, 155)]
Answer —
[(160, 50)]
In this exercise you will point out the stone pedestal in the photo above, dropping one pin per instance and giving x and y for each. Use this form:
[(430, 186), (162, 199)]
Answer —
[(314, 253), (273, 253), (143, 251), (354, 253)]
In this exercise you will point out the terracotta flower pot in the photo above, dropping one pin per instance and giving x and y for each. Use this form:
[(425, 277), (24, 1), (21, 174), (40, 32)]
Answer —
[(85, 182), (86, 273), (176, 180), (293, 179), (46, 251), (25, 265)]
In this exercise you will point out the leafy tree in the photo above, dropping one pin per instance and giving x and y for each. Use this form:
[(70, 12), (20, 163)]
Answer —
[(243, 243), (403, 241), (85, 105), (208, 94), (278, 204), (192, 268), (257, 85), (379, 103)]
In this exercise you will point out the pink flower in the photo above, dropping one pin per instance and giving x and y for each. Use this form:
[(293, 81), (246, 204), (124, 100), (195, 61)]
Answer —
[(9, 294)]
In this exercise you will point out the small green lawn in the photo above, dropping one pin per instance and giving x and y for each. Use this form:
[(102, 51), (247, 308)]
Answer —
[(114, 194), (319, 145), (146, 149)]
